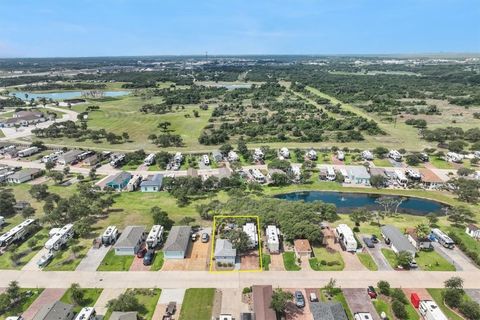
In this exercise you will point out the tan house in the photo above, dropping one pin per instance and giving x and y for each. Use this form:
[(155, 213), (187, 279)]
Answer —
[(302, 248)]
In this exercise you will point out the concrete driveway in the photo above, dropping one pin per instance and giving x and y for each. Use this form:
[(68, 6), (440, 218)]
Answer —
[(231, 302), (295, 313), (32, 264), (46, 297), (474, 294), (359, 301), (456, 257), (93, 259), (102, 301), (276, 262), (379, 258)]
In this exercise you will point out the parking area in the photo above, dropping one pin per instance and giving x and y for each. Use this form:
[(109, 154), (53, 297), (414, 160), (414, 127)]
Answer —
[(456, 257), (231, 302), (197, 258), (276, 262), (378, 256), (168, 295), (93, 259), (359, 301), (295, 313), (352, 263), (137, 265), (46, 297), (250, 261)]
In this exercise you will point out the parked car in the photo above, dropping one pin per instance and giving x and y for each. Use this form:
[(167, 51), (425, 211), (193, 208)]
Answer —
[(371, 292), (141, 252), (299, 299), (194, 237), (374, 239), (368, 242), (45, 259), (148, 258), (413, 264), (313, 297), (205, 237)]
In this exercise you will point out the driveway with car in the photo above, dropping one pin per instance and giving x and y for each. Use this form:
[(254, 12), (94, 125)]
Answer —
[(378, 256), (359, 301)]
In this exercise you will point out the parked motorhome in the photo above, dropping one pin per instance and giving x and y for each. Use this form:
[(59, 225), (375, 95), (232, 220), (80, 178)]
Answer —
[(311, 155), (155, 236), (134, 182), (401, 178), (344, 173), (258, 175), (52, 157), (59, 237), (331, 173), (367, 155), (346, 238), (442, 238), (430, 310), (258, 154), (110, 235), (250, 229), (17, 233), (149, 160), (454, 157), (395, 155), (206, 160), (87, 313), (232, 156), (116, 159), (284, 153), (273, 239), (28, 152), (362, 316), (84, 155), (340, 155), (413, 174)]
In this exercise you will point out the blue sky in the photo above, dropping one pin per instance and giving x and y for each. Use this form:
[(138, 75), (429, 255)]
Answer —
[(48, 28)]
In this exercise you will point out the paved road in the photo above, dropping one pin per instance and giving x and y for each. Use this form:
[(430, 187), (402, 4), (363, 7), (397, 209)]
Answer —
[(204, 279)]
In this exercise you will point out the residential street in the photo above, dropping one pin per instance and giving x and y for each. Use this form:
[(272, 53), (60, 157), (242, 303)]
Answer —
[(204, 279)]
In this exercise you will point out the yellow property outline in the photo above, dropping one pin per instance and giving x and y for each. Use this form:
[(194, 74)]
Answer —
[(213, 244)]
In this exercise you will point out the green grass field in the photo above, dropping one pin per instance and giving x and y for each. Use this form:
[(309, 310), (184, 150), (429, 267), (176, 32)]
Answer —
[(147, 298), (24, 251), (440, 163), (66, 259), (382, 305), (390, 256), (90, 297), (197, 304), (23, 305), (265, 262), (112, 262), (290, 262), (367, 260), (432, 261), (437, 296), (158, 261), (333, 258)]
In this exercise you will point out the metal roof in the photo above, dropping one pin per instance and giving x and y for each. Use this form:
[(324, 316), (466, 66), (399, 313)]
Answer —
[(328, 311), (130, 236), (178, 239), (397, 239)]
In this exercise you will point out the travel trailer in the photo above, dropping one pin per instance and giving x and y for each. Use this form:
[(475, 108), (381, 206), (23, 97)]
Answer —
[(413, 174), (346, 238), (340, 155), (206, 160), (110, 235), (155, 237), (149, 160), (430, 311), (258, 175), (454, 157), (442, 238), (367, 155), (284, 153), (401, 179), (331, 173), (273, 239), (87, 313), (395, 155), (28, 152), (232, 156), (59, 237), (311, 154), (19, 232), (258, 154)]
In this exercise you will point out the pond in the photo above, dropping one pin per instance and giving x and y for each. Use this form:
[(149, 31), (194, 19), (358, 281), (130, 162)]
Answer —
[(63, 95), (347, 201)]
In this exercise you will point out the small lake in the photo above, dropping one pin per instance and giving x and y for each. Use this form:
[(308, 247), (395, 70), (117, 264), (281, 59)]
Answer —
[(63, 95), (347, 202)]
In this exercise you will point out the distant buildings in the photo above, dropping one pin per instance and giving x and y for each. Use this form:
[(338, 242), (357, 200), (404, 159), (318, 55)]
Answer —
[(24, 118)]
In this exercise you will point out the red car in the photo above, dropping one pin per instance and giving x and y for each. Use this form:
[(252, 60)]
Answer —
[(141, 252), (371, 292)]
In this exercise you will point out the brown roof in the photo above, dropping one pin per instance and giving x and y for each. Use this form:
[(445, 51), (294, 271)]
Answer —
[(473, 227), (429, 176), (262, 297), (413, 233), (302, 245)]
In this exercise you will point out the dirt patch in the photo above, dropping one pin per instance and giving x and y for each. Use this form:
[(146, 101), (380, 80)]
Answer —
[(276, 262), (250, 261), (197, 259)]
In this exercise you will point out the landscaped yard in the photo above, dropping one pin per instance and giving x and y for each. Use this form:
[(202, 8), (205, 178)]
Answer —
[(382, 305), (23, 305), (147, 298), (24, 252), (437, 296), (290, 261), (440, 163), (326, 260), (112, 262), (391, 257), (432, 261), (90, 296), (367, 260), (68, 260), (265, 262), (382, 163), (197, 304), (158, 261)]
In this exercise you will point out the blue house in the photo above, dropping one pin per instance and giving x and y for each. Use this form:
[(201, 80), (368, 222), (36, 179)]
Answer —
[(152, 183), (119, 181), (224, 252)]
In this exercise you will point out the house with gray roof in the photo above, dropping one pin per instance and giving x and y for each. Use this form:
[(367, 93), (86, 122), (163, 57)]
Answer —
[(153, 183), (119, 181), (24, 175), (176, 246), (130, 241), (225, 252), (217, 155), (69, 157), (55, 311), (328, 311), (117, 315), (397, 240), (359, 175)]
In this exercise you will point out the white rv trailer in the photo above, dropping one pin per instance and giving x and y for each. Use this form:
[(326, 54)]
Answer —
[(16, 233), (110, 235), (232, 156), (454, 157), (346, 238), (362, 316), (367, 155), (331, 173), (413, 174), (340, 155), (52, 157), (401, 179), (311, 154), (206, 160), (443, 239), (84, 155), (155, 236), (59, 236), (346, 178), (430, 311), (149, 160), (28, 152), (395, 155), (258, 154), (178, 157), (251, 230), (273, 239), (87, 313), (285, 153), (258, 175), (133, 184)]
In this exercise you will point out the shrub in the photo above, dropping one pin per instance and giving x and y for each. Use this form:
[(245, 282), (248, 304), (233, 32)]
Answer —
[(247, 290), (384, 287), (397, 294), (453, 297), (323, 262), (470, 309), (398, 309)]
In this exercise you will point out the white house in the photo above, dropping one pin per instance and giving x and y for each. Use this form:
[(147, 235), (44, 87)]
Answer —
[(273, 239), (473, 231), (359, 175)]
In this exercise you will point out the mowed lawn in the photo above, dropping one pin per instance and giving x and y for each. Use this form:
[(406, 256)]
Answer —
[(326, 260), (123, 115), (112, 262), (197, 304), (90, 296)]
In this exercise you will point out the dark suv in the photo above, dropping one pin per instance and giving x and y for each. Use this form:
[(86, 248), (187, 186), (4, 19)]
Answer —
[(148, 258)]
